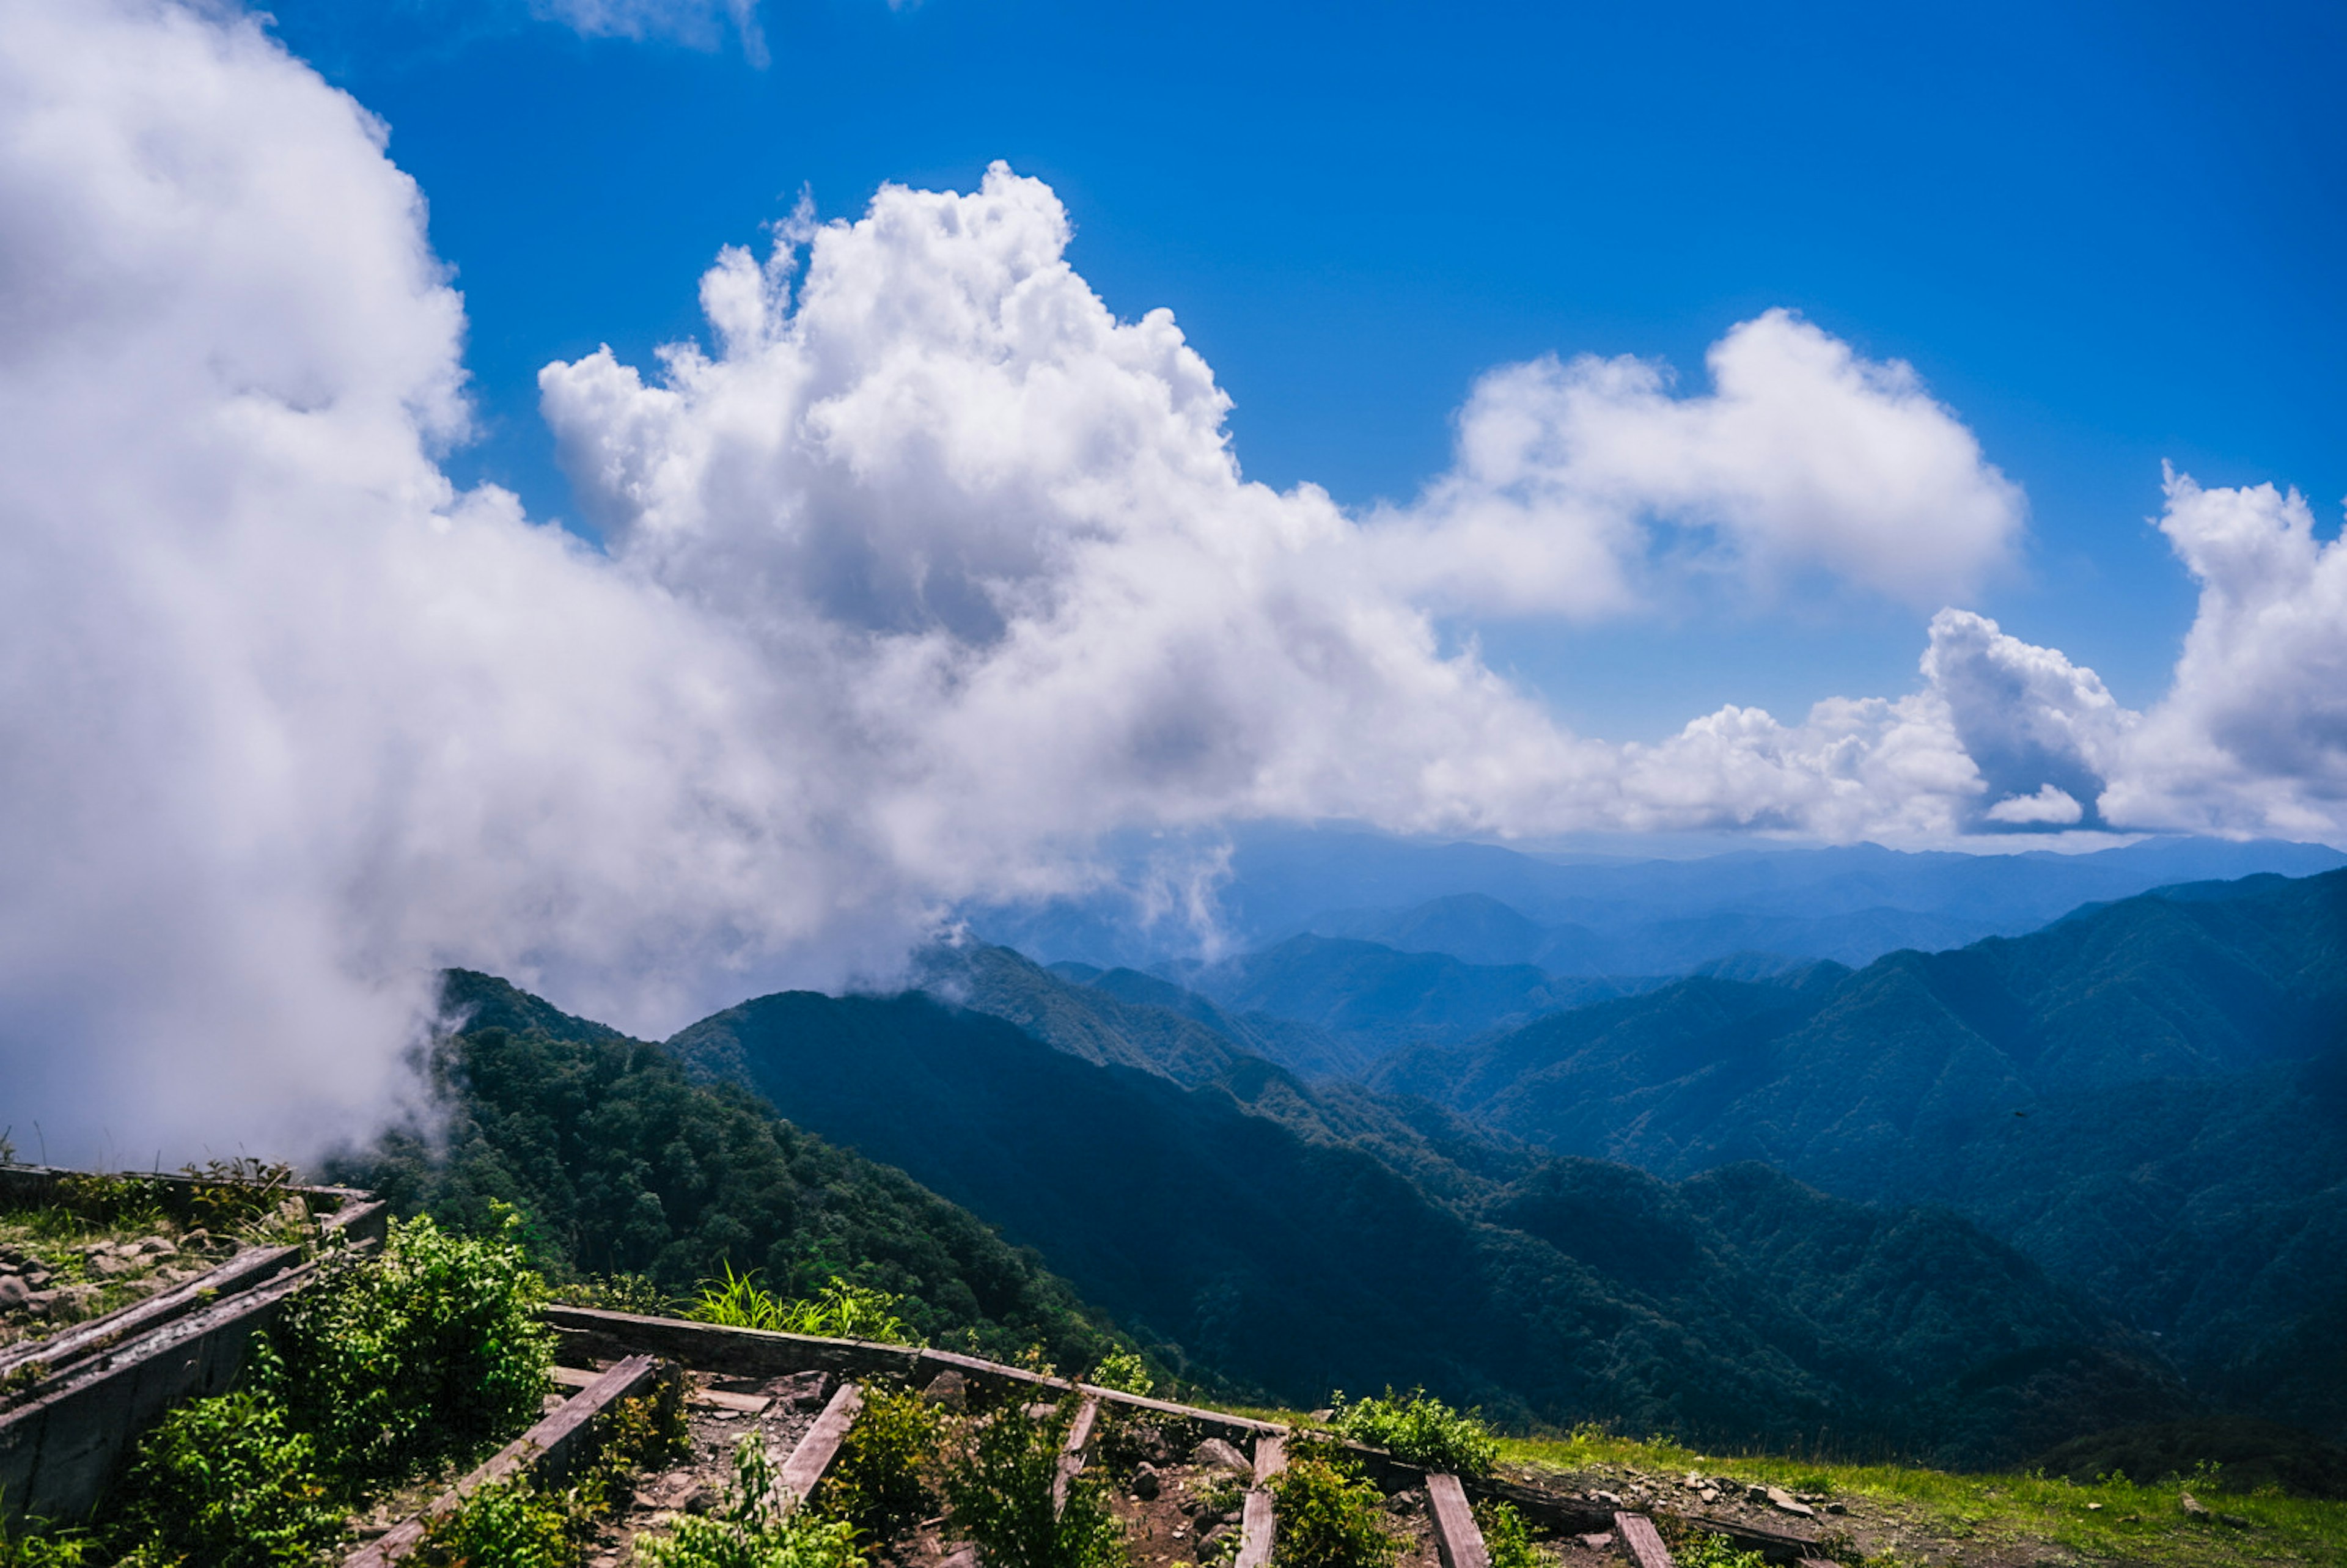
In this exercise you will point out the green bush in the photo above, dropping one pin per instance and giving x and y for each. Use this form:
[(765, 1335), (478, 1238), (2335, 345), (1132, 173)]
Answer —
[(1421, 1430), (1330, 1517), (618, 1292), (430, 1353), (224, 1482), (1507, 1537), (884, 1477), (998, 1483), (1704, 1550), (508, 1525), (751, 1530), (1125, 1372), (44, 1546)]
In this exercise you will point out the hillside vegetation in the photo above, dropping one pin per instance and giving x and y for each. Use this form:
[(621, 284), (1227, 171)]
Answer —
[(2149, 1098)]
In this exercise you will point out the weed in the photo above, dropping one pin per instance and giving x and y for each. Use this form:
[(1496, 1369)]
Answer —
[(1507, 1537), (885, 1476), (841, 1309), (1330, 1517), (998, 1485), (752, 1529), (1421, 1430), (431, 1352), (632, 1293), (1701, 1549), (226, 1482), (1125, 1372), (228, 1195), (44, 1545), (506, 1524)]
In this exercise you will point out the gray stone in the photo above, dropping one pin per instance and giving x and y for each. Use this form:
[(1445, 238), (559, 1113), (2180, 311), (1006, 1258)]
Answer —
[(1216, 1454), (1145, 1483), (112, 1266), (1410, 1500), (949, 1391), (800, 1390), (14, 1292), (1784, 1501), (1598, 1539), (2194, 1508)]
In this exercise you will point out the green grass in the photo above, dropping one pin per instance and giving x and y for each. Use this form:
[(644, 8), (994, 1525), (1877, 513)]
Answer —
[(2137, 1522)]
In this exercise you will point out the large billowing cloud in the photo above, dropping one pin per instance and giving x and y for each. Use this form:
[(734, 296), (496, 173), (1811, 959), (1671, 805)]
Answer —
[(925, 575)]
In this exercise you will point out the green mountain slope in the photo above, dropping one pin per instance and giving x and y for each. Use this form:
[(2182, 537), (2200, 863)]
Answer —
[(623, 1165), (1300, 1242), (2148, 1096)]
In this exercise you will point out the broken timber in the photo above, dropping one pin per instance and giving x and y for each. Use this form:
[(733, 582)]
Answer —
[(550, 1451), (1456, 1538), (815, 1450), (591, 1333), (1642, 1541), (1071, 1452), (1257, 1523)]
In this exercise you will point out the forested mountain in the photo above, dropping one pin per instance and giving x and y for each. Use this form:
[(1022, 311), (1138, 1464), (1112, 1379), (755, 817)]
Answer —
[(620, 1165), (2148, 1097), (1301, 1239)]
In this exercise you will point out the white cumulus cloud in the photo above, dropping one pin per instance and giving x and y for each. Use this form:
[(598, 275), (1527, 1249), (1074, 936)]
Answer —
[(924, 576)]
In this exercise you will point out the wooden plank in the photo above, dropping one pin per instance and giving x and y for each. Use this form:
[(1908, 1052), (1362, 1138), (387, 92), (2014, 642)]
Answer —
[(552, 1446), (821, 1445), (1457, 1538), (1270, 1457), (1071, 1453), (1257, 1528), (1640, 1540)]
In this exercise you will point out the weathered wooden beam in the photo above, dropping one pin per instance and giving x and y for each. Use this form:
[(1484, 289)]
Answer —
[(1071, 1452), (553, 1448), (1258, 1521), (1458, 1540), (1642, 1541), (821, 1445)]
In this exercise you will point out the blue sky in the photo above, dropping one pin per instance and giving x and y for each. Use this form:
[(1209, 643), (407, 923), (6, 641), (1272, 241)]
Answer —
[(2105, 235)]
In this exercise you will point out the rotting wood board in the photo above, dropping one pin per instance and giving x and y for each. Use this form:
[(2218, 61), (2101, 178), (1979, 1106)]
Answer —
[(553, 1447), (1071, 1452), (1457, 1538), (1640, 1539), (814, 1452)]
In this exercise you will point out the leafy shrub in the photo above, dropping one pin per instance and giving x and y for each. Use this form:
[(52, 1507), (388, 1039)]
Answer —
[(750, 1531), (1421, 1430), (224, 1482), (998, 1483), (1330, 1517), (1125, 1372), (428, 1353), (44, 1546), (512, 1525), (507, 1525), (884, 1477), (1507, 1537)]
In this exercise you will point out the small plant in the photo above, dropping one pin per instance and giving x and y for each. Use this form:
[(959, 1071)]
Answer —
[(841, 1309), (431, 1352), (999, 1493), (632, 1293), (1507, 1537), (1704, 1550), (753, 1528), (884, 1478), (510, 1524), (1330, 1517), (43, 1545), (226, 1482), (230, 1195), (1421, 1430), (1124, 1371)]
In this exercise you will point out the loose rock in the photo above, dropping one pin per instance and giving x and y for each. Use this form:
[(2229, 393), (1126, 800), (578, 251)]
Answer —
[(1145, 1483), (14, 1292), (801, 1388), (2194, 1508), (1786, 1502), (949, 1391), (1216, 1454)]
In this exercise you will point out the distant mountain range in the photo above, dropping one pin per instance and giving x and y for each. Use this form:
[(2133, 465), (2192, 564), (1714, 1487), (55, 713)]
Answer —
[(2148, 1097), (1593, 915), (1963, 1204)]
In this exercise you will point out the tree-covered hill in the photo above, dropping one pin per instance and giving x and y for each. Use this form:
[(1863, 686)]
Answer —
[(1301, 1241), (620, 1165), (2150, 1097)]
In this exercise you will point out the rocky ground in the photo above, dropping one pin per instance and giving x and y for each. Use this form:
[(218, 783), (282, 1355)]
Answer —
[(46, 1285)]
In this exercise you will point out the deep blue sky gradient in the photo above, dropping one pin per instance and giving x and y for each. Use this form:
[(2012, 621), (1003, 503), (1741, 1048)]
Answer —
[(2106, 235)]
